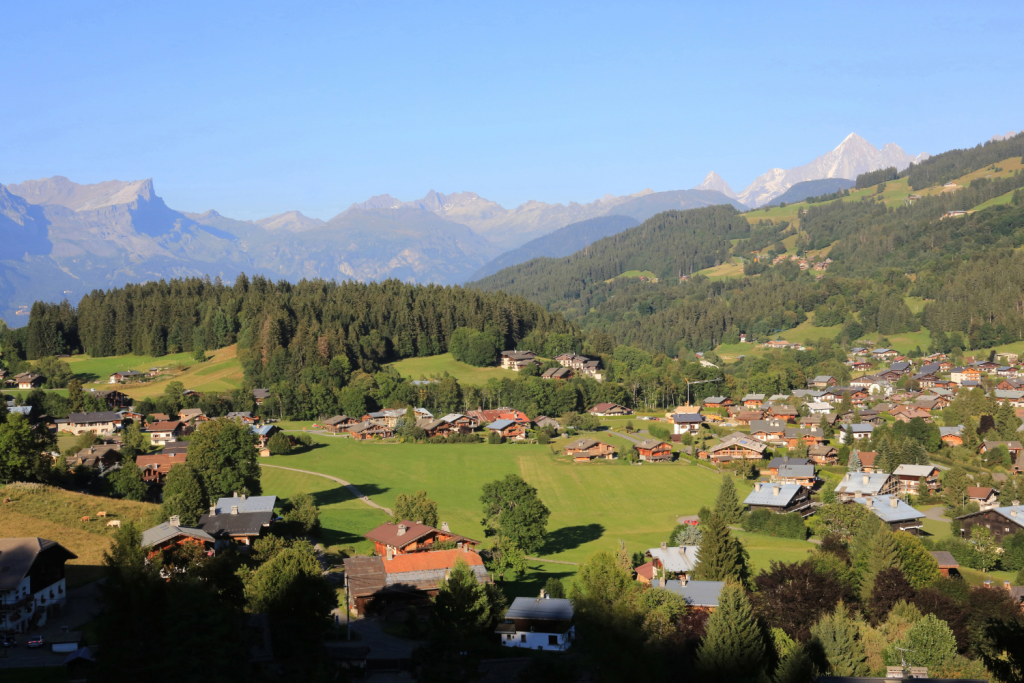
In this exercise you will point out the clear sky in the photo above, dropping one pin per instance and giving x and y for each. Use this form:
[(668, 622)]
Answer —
[(258, 108)]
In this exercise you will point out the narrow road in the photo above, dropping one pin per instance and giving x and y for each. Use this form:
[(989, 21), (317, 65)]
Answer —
[(936, 513), (541, 559), (356, 492)]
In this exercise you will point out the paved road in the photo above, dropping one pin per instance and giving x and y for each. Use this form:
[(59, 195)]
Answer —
[(382, 645), (936, 513), (356, 492)]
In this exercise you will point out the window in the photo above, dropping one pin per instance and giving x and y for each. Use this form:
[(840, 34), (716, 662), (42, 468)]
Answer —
[(552, 640), (522, 637)]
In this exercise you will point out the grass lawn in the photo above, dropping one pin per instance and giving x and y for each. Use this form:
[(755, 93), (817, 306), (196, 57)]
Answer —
[(88, 369), (428, 366), (592, 505), (995, 201), (764, 549), (222, 372), (638, 273), (56, 514), (722, 272), (916, 303)]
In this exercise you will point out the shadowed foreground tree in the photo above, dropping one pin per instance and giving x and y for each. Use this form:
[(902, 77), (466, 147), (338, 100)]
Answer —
[(733, 648), (513, 510), (464, 607), (836, 636), (792, 596), (184, 495), (722, 557)]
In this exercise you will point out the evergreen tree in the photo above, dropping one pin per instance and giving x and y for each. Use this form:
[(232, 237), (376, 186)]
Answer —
[(733, 648), (838, 636), (727, 505), (184, 495), (955, 482), (794, 667), (75, 396), (462, 606), (929, 642), (721, 557), (826, 427), (884, 554), (554, 587), (854, 465), (128, 482)]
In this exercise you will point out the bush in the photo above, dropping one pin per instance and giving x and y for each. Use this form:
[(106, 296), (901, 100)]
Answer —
[(495, 437), (660, 432), (962, 551), (789, 525), (279, 444)]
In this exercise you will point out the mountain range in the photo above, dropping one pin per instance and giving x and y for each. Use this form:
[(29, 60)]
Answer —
[(65, 239), (853, 156)]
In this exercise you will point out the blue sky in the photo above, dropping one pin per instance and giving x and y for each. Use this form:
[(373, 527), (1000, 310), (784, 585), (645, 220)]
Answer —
[(258, 108)]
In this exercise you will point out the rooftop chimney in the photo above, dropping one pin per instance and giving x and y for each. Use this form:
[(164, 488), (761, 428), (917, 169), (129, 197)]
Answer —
[(444, 526), (757, 486), (1014, 503), (1006, 585), (893, 501), (1013, 513), (391, 553), (243, 496), (401, 530), (236, 494), (661, 578), (987, 584), (213, 510), (234, 509), (866, 479), (847, 477), (419, 522), (175, 520), (664, 546), (871, 502), (543, 594), (775, 490)]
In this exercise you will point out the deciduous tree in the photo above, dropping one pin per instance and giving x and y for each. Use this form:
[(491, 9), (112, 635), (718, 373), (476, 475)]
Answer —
[(513, 510)]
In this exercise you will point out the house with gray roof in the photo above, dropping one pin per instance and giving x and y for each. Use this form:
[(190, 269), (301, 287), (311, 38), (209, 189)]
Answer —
[(894, 512), (679, 560), (780, 498), (1000, 521), (542, 623), (861, 485), (170, 532), (796, 474), (32, 583), (699, 595), (858, 431)]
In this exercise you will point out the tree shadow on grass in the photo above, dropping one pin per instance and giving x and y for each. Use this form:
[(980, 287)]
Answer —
[(340, 494), (571, 537), (530, 583)]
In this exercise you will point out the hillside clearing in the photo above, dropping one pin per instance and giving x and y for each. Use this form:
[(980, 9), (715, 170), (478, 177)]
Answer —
[(430, 366)]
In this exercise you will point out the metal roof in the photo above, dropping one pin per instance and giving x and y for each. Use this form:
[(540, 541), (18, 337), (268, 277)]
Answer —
[(248, 504), (242, 524), (882, 506), (17, 555), (867, 484), (914, 470), (944, 558), (780, 461), (677, 558), (553, 609), (687, 417), (697, 593), (766, 496), (951, 431), (501, 424), (163, 532), (796, 471)]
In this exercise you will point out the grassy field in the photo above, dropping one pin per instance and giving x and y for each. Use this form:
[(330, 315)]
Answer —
[(592, 505), (995, 201), (56, 514), (723, 272), (90, 370), (428, 366), (806, 330), (916, 303), (638, 273)]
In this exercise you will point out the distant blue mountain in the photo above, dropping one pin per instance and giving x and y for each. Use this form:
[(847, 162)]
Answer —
[(812, 188), (561, 242)]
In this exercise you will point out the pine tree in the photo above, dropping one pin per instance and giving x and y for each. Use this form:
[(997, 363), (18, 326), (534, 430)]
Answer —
[(184, 495), (733, 648), (75, 396), (826, 427), (795, 667), (855, 464), (838, 635), (727, 505), (884, 554), (955, 482), (720, 556)]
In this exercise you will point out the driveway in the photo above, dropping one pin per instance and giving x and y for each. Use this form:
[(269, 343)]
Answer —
[(355, 492), (382, 645), (83, 606), (935, 513)]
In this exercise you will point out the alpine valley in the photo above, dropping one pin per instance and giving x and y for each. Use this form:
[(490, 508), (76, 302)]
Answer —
[(65, 239)]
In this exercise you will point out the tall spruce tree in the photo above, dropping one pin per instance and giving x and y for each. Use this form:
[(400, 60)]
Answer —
[(721, 557), (838, 635), (795, 667), (855, 464), (955, 482), (884, 554), (184, 495), (727, 505), (733, 648)]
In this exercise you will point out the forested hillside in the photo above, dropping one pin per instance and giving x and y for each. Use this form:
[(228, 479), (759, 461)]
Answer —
[(281, 329), (957, 162), (670, 244)]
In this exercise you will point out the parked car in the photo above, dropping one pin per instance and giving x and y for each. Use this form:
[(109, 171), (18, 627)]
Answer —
[(35, 641), (9, 641)]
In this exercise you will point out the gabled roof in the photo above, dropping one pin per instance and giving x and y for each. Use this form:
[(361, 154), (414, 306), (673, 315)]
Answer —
[(740, 440), (337, 419), (548, 609), (651, 443), (165, 532), (944, 558), (168, 426), (677, 558), (767, 496), (914, 470), (242, 524), (716, 399), (882, 507), (17, 555), (501, 424), (247, 504), (387, 534), (801, 471), (981, 492), (697, 593), (583, 444), (102, 416), (261, 393), (1012, 513), (781, 461), (687, 418), (754, 397), (856, 483), (768, 426)]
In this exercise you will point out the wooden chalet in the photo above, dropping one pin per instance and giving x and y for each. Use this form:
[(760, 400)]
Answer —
[(910, 478), (863, 485), (156, 466), (102, 423), (780, 498), (339, 423), (948, 566), (517, 360), (652, 450), (245, 416), (1013, 447), (364, 431), (126, 376), (718, 401), (162, 432), (413, 537), (585, 450), (768, 431), (745, 417), (557, 373), (507, 428), (464, 424), (736, 446), (985, 496), (433, 427), (239, 519), (97, 457), (894, 512), (171, 534), (260, 395), (753, 400), (1001, 521), (783, 461), (867, 460), (112, 398), (787, 413), (811, 437), (543, 623), (796, 474), (609, 410), (823, 454), (32, 584)]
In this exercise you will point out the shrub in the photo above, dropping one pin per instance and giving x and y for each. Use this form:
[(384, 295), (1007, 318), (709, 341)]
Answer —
[(660, 432), (279, 444), (789, 525)]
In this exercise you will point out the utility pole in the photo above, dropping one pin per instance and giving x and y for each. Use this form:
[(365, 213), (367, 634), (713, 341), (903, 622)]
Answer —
[(348, 610)]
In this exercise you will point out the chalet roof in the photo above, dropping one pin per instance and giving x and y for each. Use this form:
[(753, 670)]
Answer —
[(651, 443), (242, 524), (697, 593), (914, 470), (944, 558), (424, 571), (336, 420), (519, 355), (160, 461), (716, 399), (165, 532), (820, 449), (261, 393), (168, 426), (782, 461), (427, 424), (823, 378), (189, 413), (501, 424), (1010, 445), (981, 492), (550, 609), (452, 417), (883, 508), (1013, 513), (604, 407), (365, 575), (749, 415), (767, 496), (387, 534), (862, 428), (800, 471), (247, 504), (778, 398), (900, 366), (88, 418), (687, 418), (677, 558), (583, 444), (769, 426), (17, 555), (797, 433), (740, 440), (866, 484), (805, 393), (867, 458), (1012, 395), (754, 397), (819, 405), (243, 414)]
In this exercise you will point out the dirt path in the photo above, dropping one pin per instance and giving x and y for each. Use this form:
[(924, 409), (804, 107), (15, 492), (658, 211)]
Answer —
[(356, 492), (541, 559)]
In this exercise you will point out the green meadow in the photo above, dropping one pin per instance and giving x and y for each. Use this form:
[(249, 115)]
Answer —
[(429, 366)]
